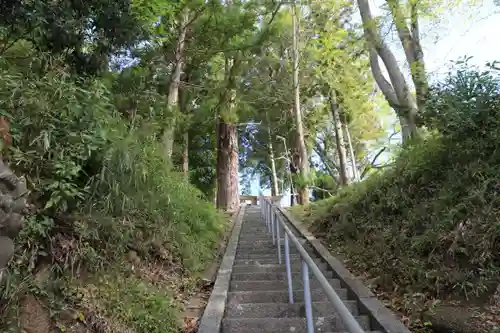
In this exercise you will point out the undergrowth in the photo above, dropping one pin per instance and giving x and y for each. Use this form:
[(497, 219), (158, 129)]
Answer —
[(130, 301), (104, 203), (429, 227)]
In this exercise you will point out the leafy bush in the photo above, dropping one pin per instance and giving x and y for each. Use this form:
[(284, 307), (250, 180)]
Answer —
[(160, 205), (324, 186), (466, 103)]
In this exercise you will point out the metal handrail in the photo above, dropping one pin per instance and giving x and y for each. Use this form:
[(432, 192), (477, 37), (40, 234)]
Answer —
[(271, 216)]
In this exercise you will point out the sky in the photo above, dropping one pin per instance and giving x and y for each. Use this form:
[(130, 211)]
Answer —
[(465, 31)]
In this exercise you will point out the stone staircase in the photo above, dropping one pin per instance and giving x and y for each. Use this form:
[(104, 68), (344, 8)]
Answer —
[(256, 295)]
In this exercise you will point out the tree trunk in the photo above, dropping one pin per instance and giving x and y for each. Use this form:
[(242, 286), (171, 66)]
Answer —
[(234, 171), (173, 89), (410, 40), (227, 141), (289, 169), (273, 171), (325, 159), (227, 166), (295, 169), (273, 190), (354, 166), (303, 162), (396, 92), (274, 176), (339, 138), (185, 156), (183, 105), (214, 191)]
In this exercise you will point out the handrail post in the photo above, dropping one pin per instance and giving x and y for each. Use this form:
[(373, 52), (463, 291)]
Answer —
[(262, 207), (264, 212), (307, 297), (270, 218), (278, 237), (269, 224), (268, 213), (266, 209), (273, 223), (288, 268)]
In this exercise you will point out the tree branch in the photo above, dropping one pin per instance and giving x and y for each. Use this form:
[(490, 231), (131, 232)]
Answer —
[(384, 85)]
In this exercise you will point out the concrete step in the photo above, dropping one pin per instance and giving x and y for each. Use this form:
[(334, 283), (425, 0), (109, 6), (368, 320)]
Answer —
[(276, 285), (257, 244), (273, 260), (287, 325), (263, 234), (270, 276), (240, 255), (257, 238), (261, 246), (238, 297), (263, 268), (260, 233), (264, 242), (284, 310), (252, 240), (262, 237), (265, 251)]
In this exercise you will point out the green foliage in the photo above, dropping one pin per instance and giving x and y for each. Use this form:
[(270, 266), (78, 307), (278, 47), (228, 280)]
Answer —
[(57, 132), (202, 160), (324, 186), (137, 303), (430, 224), (462, 105), (161, 206), (84, 32)]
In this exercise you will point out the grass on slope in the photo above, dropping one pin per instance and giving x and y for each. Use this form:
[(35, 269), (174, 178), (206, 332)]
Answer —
[(114, 239), (429, 228)]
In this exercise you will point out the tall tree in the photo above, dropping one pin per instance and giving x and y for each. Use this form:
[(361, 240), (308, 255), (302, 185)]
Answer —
[(339, 137), (302, 160), (408, 30), (227, 140), (396, 90), (355, 173), (274, 175), (175, 79)]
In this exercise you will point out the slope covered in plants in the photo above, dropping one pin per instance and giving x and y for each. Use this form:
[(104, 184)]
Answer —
[(428, 228), (113, 238)]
